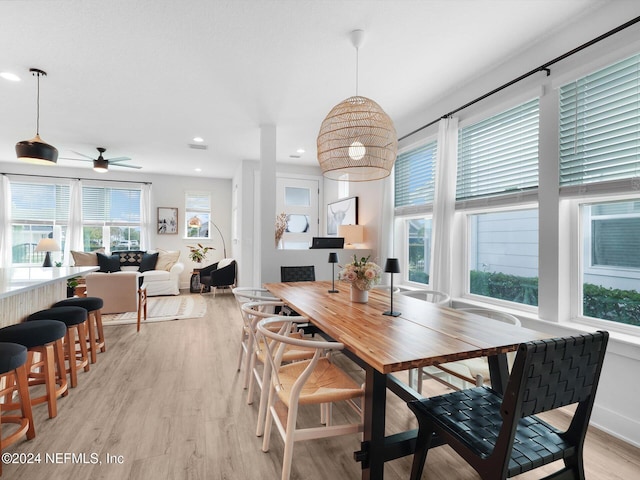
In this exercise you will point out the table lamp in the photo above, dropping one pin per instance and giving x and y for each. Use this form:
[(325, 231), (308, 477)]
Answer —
[(333, 259), (47, 245), (392, 266), (352, 234)]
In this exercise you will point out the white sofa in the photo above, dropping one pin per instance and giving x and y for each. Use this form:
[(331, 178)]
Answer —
[(162, 279)]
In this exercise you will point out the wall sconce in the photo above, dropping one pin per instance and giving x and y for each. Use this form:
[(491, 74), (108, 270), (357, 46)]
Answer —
[(352, 234)]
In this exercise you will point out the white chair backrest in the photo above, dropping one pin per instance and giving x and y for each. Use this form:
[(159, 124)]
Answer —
[(387, 288), (278, 340), (494, 314), (433, 296), (252, 294)]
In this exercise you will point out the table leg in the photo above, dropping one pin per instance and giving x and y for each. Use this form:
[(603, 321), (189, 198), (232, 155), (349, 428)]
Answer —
[(372, 454)]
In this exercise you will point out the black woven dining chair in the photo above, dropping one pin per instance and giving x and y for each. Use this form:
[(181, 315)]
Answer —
[(501, 436), (305, 273)]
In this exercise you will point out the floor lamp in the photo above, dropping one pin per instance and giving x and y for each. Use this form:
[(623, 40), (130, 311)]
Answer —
[(392, 266)]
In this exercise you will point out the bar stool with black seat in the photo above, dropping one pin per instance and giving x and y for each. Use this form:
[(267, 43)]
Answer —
[(93, 306), (44, 338), (13, 359), (75, 318)]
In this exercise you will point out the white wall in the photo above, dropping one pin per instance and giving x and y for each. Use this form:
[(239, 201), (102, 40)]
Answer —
[(167, 191)]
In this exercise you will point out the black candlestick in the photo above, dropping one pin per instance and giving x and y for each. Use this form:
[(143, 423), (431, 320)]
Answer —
[(333, 259), (392, 266)]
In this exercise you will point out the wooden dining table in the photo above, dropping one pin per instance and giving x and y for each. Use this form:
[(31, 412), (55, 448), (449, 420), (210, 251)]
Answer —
[(423, 334)]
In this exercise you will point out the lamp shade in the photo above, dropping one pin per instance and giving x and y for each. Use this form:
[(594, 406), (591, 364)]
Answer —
[(357, 138), (100, 165), (333, 257), (36, 151), (47, 245), (392, 265), (351, 233)]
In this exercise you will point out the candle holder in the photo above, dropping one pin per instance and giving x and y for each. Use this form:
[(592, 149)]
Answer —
[(392, 266), (333, 259)]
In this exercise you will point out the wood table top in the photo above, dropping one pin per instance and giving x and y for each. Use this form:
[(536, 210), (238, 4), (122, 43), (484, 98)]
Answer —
[(424, 333)]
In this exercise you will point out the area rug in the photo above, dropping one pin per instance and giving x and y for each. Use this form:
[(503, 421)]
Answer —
[(162, 309)]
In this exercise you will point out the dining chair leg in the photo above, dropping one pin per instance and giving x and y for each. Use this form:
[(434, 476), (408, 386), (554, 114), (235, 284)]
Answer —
[(262, 410)]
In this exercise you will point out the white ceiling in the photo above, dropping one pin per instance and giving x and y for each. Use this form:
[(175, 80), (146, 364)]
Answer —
[(142, 78)]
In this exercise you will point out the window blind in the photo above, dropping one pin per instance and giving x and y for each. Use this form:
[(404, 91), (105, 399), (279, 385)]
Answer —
[(600, 125), (111, 206), (415, 176), (39, 203), (499, 154)]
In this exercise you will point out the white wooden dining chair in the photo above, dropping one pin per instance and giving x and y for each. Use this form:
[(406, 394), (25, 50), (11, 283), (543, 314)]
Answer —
[(432, 296), (473, 371), (244, 295), (308, 382), (258, 368)]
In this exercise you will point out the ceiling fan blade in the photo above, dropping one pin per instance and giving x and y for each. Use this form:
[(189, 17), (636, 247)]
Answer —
[(83, 155), (76, 159), (123, 165), (118, 159)]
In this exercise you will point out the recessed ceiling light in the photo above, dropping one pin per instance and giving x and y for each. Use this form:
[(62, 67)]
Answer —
[(300, 150), (198, 139), (10, 76), (198, 169)]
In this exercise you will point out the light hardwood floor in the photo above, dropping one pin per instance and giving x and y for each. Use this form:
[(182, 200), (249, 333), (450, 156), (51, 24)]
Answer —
[(168, 403)]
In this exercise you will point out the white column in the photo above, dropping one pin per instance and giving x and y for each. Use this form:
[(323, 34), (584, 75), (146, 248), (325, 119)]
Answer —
[(267, 216)]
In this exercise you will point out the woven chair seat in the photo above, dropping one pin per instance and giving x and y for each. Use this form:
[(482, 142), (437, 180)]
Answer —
[(291, 352), (474, 414), (315, 390)]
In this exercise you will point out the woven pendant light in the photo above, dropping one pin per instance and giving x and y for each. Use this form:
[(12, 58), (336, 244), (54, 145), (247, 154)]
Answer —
[(357, 141)]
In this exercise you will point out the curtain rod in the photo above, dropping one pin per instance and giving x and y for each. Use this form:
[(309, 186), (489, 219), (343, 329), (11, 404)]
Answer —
[(541, 68), (77, 178)]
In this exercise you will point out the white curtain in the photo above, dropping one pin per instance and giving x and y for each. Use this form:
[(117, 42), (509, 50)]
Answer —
[(146, 222), (74, 228), (5, 221), (444, 204), (385, 233)]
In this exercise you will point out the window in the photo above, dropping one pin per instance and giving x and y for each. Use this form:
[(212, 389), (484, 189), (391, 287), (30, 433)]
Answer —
[(415, 176), (600, 153), (197, 214), (111, 218), (610, 262), (600, 125), (498, 156), (414, 189), (38, 210), (418, 235), (503, 255)]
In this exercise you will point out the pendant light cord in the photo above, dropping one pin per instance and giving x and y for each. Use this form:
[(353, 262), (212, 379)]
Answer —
[(357, 61), (38, 106)]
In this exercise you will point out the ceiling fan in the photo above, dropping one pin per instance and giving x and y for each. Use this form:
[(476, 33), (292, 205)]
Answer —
[(101, 164)]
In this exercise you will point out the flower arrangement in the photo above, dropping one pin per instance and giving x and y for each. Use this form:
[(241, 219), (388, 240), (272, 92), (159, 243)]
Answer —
[(362, 273), (281, 226), (199, 252)]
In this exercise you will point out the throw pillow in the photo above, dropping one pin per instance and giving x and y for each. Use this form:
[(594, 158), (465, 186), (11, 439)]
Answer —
[(149, 261), (86, 259), (166, 260), (108, 264)]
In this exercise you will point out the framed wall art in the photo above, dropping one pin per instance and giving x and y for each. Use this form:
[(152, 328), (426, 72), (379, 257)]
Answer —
[(167, 220), (342, 212)]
